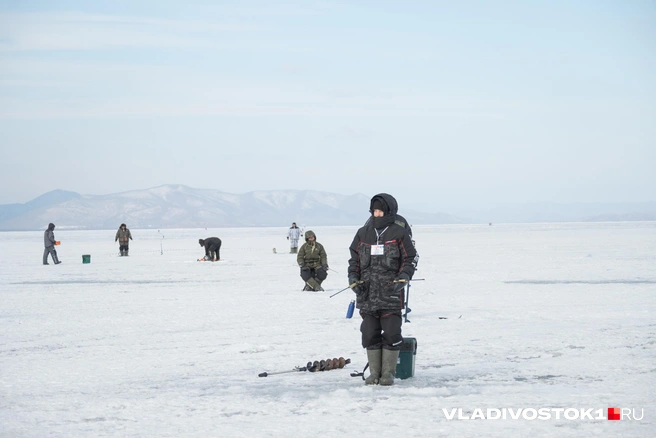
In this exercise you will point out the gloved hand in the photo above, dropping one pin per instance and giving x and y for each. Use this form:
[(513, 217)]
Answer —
[(325, 268), (357, 289), (401, 281), (304, 267)]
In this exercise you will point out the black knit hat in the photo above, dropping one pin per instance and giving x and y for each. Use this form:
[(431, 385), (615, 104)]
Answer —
[(377, 205)]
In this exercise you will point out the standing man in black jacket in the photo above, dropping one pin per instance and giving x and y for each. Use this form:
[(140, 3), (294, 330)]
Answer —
[(382, 262)]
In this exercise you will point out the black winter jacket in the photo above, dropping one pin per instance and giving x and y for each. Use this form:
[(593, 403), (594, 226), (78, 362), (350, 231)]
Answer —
[(212, 244), (49, 236), (378, 271)]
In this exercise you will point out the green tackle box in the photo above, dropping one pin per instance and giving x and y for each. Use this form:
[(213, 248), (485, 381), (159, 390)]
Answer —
[(405, 365)]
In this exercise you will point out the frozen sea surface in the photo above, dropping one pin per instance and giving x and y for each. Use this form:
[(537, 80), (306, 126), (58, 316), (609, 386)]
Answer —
[(158, 344)]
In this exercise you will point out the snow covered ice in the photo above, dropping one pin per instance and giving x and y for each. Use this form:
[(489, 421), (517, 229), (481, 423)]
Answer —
[(537, 316)]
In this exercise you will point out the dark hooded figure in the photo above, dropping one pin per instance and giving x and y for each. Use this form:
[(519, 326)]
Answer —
[(313, 261), (49, 243), (382, 262), (123, 236), (212, 247)]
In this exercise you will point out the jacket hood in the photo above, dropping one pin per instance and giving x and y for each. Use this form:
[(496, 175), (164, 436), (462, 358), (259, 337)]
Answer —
[(310, 233), (388, 201), (51, 226)]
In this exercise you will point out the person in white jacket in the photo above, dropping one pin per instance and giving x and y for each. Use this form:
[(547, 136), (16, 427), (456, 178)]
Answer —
[(293, 235)]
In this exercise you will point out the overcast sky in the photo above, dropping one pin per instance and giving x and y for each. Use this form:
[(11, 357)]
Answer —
[(440, 103)]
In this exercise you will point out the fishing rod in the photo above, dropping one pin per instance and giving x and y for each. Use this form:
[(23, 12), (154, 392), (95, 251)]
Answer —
[(351, 286), (407, 281)]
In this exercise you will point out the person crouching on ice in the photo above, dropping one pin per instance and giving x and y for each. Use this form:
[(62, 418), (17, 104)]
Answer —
[(313, 261), (212, 248)]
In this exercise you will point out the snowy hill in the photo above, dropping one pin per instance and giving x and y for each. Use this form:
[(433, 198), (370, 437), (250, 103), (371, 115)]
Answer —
[(562, 212), (179, 206)]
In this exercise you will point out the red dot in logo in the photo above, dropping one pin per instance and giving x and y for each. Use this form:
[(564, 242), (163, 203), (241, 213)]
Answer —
[(614, 414)]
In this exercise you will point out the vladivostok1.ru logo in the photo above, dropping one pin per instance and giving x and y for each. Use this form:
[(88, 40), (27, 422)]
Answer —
[(544, 414), (624, 414)]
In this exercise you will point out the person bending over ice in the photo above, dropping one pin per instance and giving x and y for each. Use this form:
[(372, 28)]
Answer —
[(212, 248)]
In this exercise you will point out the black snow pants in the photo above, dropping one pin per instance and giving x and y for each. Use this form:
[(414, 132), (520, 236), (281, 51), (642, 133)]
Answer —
[(382, 330)]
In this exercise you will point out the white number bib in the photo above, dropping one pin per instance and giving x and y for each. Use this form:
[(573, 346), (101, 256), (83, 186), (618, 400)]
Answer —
[(377, 250)]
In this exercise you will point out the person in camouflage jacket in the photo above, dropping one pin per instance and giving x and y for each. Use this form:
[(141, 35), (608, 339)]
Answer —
[(123, 236), (313, 261), (382, 262)]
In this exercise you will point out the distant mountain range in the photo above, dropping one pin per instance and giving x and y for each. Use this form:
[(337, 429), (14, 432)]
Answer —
[(179, 206), (562, 212)]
